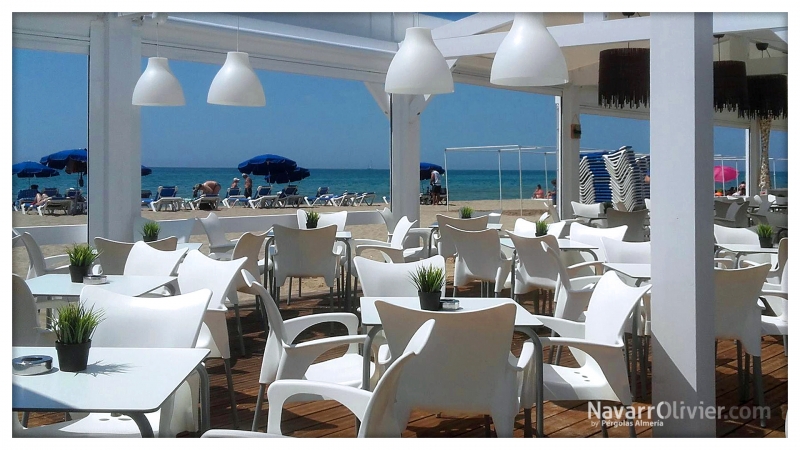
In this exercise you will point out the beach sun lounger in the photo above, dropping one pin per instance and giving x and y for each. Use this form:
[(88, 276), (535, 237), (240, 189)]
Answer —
[(234, 197), (25, 198), (212, 200), (322, 197), (289, 196), (264, 198), (167, 197), (52, 205), (366, 197), (346, 199)]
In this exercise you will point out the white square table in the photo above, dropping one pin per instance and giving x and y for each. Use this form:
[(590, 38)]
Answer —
[(189, 245), (745, 249), (524, 322), (60, 285), (639, 271), (129, 381)]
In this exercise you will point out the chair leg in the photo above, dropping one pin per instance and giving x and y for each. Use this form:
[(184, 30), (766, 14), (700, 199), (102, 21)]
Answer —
[(299, 287), (289, 292), (259, 405), (746, 375), (785, 344), (759, 387), (263, 313), (631, 424), (239, 329), (455, 290), (231, 392), (536, 301), (487, 425), (739, 374)]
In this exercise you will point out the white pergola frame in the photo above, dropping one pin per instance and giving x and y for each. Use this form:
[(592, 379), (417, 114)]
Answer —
[(680, 99)]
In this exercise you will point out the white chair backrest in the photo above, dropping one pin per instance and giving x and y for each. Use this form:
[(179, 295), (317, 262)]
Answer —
[(647, 204), (593, 210), (338, 218), (389, 219), (143, 322), (146, 260), (24, 314), (302, 219), (738, 213), (249, 246), (201, 272), (737, 313), (557, 229), (467, 352), (400, 231), (445, 245), (180, 228), (729, 235), (277, 338), (524, 227), (634, 220), (113, 255), (213, 227), (533, 259), (566, 306), (37, 265), (380, 279), (626, 252), (307, 253), (478, 250), (588, 235)]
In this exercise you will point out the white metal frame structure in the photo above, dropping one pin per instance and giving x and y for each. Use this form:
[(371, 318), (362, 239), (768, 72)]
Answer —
[(360, 46)]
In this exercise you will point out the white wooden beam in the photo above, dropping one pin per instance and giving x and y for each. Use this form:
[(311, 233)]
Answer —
[(595, 16), (740, 21), (382, 98), (474, 24), (768, 66), (482, 44)]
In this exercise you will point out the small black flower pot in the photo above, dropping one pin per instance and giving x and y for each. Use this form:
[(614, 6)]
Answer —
[(310, 226), (429, 301), (150, 238), (73, 357), (765, 242), (76, 273), (541, 234)]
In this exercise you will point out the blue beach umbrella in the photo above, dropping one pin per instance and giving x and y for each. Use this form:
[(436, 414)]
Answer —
[(291, 176), (71, 161), (146, 171), (30, 169), (425, 170), (267, 164)]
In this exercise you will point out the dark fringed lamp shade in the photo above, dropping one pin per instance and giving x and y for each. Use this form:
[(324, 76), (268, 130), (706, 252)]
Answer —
[(768, 97), (624, 77), (730, 85)]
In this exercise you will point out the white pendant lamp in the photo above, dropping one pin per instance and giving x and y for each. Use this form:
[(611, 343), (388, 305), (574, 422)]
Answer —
[(236, 83), (418, 68), (528, 55), (157, 86)]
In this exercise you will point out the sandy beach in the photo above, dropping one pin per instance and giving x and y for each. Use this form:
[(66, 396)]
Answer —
[(428, 213)]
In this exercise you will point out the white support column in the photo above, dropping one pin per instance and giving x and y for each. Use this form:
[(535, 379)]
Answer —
[(567, 113), (752, 155), (114, 128), (405, 158), (681, 148)]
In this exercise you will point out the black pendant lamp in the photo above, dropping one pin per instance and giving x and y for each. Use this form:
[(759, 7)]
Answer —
[(767, 95), (624, 77), (730, 83)]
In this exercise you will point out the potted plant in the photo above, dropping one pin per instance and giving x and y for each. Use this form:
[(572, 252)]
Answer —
[(312, 219), (465, 212), (81, 257), (765, 233), (429, 281), (606, 206), (74, 327), (541, 228), (150, 231)]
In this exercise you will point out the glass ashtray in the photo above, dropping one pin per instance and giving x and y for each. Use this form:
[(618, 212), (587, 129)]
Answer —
[(450, 305)]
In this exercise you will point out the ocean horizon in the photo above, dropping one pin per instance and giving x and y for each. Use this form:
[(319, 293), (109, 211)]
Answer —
[(464, 185)]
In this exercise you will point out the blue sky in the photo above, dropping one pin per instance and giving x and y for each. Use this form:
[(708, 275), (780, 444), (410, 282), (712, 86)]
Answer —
[(319, 122)]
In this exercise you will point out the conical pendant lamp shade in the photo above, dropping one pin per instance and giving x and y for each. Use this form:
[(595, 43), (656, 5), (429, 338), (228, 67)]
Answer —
[(418, 68), (158, 86), (528, 55), (236, 83)]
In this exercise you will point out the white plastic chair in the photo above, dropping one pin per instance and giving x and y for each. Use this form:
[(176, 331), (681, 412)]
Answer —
[(746, 236), (305, 253), (143, 323), (738, 317), (380, 279), (444, 242), (390, 220), (113, 255), (592, 236), (38, 264), (572, 292), (774, 276), (625, 252), (466, 367), (394, 250), (25, 328), (735, 216), (180, 228), (777, 296), (597, 346), (374, 409), (479, 259), (285, 360), (201, 272), (143, 259), (634, 220), (534, 268), (586, 212), (217, 242), (527, 228)]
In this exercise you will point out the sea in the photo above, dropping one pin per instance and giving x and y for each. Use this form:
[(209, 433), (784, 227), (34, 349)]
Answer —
[(462, 184)]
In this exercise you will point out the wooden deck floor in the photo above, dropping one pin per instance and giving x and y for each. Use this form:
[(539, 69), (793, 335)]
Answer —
[(561, 419)]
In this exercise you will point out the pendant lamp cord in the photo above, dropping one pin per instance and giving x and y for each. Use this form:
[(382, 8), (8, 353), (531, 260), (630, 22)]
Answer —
[(237, 33), (719, 49), (157, 39)]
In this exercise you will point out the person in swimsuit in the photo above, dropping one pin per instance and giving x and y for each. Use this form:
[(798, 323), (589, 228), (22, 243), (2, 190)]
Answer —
[(248, 186), (209, 187)]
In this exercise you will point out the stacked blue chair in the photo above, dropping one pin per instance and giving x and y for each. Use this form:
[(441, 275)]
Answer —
[(594, 179), (626, 178)]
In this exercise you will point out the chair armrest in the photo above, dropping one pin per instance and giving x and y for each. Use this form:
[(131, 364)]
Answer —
[(297, 325), (566, 328), (371, 242), (298, 357), (221, 256), (584, 283), (574, 269), (771, 293), (56, 262), (424, 233), (525, 357), (356, 400), (726, 263), (393, 254)]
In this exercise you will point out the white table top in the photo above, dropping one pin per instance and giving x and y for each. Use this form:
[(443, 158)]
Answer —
[(341, 235), (563, 244), (369, 314), (55, 284), (491, 226), (115, 380), (189, 245), (641, 271), (745, 248)]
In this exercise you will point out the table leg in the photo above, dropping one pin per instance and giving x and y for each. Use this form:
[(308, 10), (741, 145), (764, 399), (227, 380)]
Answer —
[(141, 421), (205, 399), (513, 271), (348, 300)]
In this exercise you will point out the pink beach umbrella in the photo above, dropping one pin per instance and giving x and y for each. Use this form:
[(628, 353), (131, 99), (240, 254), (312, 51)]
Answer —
[(723, 174)]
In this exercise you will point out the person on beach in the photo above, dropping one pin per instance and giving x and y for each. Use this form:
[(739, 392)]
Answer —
[(718, 193), (742, 192), (539, 192), (552, 194), (436, 183), (40, 199), (209, 187), (235, 184), (248, 186)]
